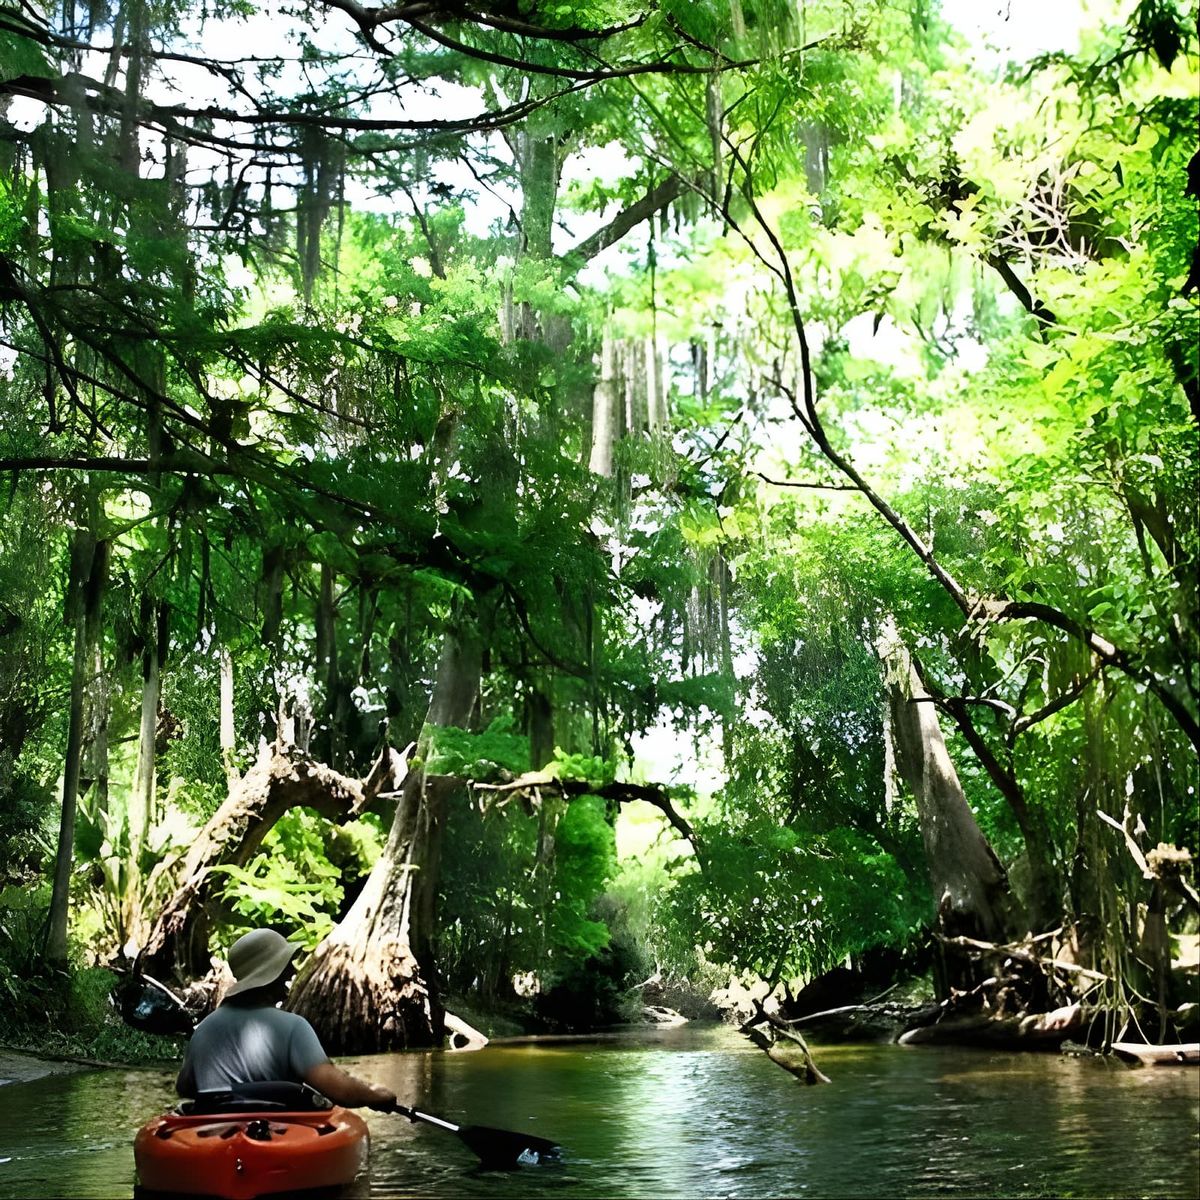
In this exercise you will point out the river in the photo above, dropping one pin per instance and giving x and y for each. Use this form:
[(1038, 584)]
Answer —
[(694, 1112)]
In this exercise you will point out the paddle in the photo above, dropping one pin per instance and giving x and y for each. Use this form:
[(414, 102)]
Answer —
[(493, 1147)]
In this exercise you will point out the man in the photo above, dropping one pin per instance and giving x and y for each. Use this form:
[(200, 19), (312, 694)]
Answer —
[(248, 1040)]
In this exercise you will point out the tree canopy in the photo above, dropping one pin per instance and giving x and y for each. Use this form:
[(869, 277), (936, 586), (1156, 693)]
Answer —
[(511, 381)]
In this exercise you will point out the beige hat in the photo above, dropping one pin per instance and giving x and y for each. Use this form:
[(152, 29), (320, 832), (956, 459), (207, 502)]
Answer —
[(258, 958)]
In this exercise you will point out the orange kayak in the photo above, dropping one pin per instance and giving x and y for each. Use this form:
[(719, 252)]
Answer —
[(241, 1155)]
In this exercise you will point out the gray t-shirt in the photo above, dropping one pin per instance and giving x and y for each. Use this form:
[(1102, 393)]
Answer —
[(235, 1045)]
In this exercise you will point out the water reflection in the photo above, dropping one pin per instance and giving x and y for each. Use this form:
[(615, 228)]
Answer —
[(694, 1112)]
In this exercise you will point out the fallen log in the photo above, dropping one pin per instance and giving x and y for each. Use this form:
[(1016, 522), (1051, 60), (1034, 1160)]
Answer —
[(177, 944), (1179, 1055), (1031, 1031), (460, 1035)]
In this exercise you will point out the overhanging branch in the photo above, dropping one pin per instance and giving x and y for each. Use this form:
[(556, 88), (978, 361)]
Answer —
[(618, 793), (628, 218)]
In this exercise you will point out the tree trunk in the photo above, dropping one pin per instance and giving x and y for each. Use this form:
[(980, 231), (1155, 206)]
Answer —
[(331, 739), (538, 165), (226, 727), (372, 984), (970, 888), (541, 723), (177, 946), (605, 429), (142, 798), (94, 770), (656, 399), (1044, 892), (83, 590)]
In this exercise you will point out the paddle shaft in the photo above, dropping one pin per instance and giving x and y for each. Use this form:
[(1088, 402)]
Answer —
[(492, 1146), (415, 1115)]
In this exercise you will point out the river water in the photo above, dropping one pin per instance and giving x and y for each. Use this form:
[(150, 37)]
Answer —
[(694, 1112)]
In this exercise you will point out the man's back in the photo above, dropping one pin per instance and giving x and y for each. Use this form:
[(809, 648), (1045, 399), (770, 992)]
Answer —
[(239, 1044)]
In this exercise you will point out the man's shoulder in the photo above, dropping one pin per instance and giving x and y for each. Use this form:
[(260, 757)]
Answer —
[(234, 1014), (284, 1019)]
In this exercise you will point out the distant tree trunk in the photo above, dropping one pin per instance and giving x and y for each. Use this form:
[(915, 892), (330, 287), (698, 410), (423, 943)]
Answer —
[(656, 398), (94, 771), (177, 945), (331, 740), (85, 586), (226, 727), (372, 983), (154, 618), (970, 888), (541, 724), (721, 567), (605, 401)]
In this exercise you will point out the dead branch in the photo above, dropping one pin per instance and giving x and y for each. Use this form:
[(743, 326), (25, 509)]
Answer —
[(810, 1073), (1022, 955)]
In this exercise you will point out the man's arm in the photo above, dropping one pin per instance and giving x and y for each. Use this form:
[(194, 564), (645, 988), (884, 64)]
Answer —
[(343, 1088)]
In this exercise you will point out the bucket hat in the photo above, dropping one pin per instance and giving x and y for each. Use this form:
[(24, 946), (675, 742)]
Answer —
[(258, 958)]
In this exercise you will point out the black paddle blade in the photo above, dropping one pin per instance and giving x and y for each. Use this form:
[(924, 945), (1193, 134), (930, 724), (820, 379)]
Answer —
[(502, 1148)]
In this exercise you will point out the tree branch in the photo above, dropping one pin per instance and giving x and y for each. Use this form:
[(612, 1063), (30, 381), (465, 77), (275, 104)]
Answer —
[(1021, 724), (619, 793), (1034, 307), (971, 607), (807, 483), (652, 202)]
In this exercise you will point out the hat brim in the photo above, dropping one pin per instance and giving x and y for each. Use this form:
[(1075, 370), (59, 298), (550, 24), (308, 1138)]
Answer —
[(267, 971)]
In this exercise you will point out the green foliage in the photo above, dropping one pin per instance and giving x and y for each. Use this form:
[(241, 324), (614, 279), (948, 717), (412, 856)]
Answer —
[(297, 881), (482, 756), (594, 992), (519, 891), (23, 806), (113, 878), (584, 861), (780, 905), (592, 769), (22, 922), (313, 434), (62, 1013)]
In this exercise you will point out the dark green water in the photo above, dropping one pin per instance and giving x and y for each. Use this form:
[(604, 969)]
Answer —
[(696, 1112)]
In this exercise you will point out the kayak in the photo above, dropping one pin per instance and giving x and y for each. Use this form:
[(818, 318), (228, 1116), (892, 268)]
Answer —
[(243, 1154)]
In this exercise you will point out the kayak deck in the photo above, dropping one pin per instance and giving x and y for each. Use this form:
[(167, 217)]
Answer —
[(238, 1156)]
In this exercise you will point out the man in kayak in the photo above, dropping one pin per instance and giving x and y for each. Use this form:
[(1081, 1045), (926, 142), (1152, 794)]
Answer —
[(248, 1040)]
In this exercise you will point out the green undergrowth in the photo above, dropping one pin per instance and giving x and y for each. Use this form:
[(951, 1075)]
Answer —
[(69, 1015), (65, 1013)]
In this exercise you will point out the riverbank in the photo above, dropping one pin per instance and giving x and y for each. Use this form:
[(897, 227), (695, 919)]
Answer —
[(16, 1066)]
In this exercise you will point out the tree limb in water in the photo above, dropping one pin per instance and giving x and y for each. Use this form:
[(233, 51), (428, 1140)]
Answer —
[(810, 1073)]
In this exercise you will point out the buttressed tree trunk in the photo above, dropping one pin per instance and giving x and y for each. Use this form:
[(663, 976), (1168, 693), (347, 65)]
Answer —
[(371, 985), (970, 887)]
